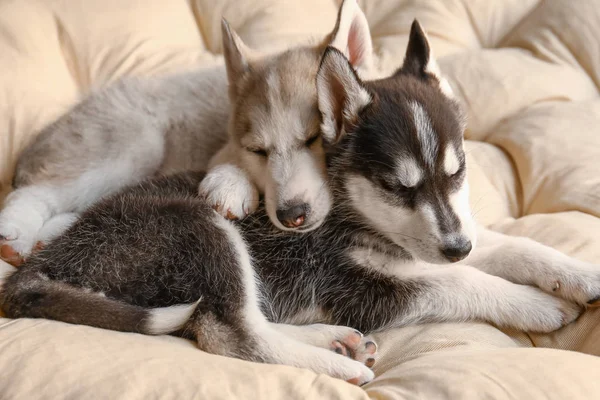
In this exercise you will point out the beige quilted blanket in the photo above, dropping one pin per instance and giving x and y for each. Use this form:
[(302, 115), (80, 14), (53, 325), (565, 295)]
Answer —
[(527, 71)]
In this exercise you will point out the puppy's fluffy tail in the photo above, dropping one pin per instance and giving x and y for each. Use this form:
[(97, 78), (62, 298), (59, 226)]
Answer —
[(27, 294)]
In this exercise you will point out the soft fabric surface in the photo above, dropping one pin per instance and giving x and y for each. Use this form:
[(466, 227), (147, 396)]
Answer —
[(50, 360), (527, 72)]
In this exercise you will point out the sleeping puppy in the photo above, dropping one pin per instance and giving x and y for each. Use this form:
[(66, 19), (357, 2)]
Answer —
[(157, 259), (259, 113)]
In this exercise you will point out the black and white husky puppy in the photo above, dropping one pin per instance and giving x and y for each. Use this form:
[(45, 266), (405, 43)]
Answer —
[(157, 259)]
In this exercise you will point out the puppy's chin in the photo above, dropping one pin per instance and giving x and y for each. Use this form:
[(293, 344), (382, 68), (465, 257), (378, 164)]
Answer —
[(422, 252), (435, 259), (432, 256)]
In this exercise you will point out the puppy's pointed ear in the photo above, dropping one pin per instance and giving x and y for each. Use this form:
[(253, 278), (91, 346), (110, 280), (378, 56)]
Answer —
[(419, 59), (340, 94), (351, 35), (235, 53)]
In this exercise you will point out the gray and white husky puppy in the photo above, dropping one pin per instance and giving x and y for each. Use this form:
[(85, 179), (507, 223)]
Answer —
[(137, 128), (158, 259)]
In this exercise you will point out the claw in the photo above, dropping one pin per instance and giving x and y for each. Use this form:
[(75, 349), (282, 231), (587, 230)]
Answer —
[(231, 216)]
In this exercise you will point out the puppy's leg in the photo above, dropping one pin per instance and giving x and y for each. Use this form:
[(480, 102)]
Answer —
[(52, 228), (252, 338), (524, 261), (422, 294), (341, 339), (241, 330), (464, 293), (27, 209), (82, 157), (228, 188)]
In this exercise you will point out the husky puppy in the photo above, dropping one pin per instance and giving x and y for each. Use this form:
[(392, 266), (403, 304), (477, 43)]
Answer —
[(156, 259), (137, 128)]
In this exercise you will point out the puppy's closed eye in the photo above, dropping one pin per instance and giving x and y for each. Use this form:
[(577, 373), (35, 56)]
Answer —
[(311, 140), (258, 151), (397, 188)]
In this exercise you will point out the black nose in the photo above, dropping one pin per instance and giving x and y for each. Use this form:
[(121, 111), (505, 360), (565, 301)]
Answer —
[(457, 252), (294, 216)]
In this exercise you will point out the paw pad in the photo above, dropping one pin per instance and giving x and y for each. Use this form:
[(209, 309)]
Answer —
[(356, 347)]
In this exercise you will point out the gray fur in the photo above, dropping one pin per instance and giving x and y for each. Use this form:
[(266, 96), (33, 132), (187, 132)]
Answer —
[(154, 125), (138, 128), (158, 245)]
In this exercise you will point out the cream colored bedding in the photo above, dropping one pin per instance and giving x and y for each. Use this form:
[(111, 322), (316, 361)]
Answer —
[(528, 73)]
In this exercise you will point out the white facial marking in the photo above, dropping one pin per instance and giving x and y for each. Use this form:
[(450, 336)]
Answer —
[(401, 224), (416, 230), (409, 172), (451, 163), (459, 202), (425, 133), (430, 220)]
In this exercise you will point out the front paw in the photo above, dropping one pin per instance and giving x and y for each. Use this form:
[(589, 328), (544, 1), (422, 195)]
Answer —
[(229, 191), (536, 311), (357, 347), (17, 239), (577, 282)]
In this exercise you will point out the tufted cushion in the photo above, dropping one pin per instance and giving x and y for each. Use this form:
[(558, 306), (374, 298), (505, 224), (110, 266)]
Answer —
[(527, 72)]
